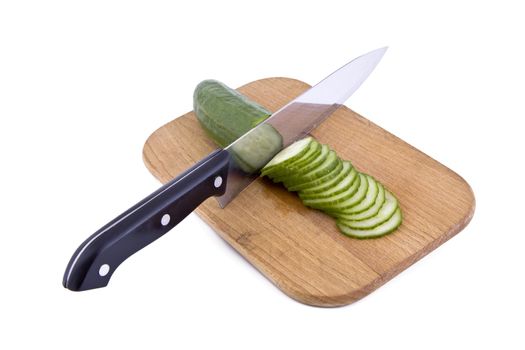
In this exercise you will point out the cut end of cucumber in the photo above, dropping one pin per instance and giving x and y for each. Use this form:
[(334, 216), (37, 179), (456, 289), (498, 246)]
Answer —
[(256, 148)]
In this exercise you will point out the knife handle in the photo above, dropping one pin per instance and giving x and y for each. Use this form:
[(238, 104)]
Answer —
[(95, 260)]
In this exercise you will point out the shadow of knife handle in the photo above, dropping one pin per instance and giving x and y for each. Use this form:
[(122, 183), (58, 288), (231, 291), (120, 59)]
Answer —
[(95, 260)]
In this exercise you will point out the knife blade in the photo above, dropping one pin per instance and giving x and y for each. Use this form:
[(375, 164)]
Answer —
[(96, 259)]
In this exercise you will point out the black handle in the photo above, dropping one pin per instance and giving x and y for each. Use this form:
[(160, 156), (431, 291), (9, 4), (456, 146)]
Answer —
[(93, 263)]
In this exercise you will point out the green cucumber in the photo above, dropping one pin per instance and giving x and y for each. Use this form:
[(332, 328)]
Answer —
[(283, 176), (362, 207), (325, 181), (356, 216), (309, 157), (386, 227), (368, 200), (358, 196), (257, 147), (386, 211), (349, 193), (333, 190), (330, 163), (287, 166), (288, 155), (224, 113)]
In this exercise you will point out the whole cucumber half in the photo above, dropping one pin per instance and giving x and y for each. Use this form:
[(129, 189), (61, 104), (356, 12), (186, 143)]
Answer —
[(224, 113)]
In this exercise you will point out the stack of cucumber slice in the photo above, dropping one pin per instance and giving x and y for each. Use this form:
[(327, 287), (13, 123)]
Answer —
[(362, 207)]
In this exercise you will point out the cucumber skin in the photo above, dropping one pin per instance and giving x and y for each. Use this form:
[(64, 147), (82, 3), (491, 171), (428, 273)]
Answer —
[(224, 113)]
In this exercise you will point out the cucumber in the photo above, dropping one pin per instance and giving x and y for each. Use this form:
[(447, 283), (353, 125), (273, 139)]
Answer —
[(368, 200), (256, 148), (309, 157), (330, 163), (361, 205), (349, 202), (386, 227), (224, 113), (326, 181), (336, 188), (288, 155), (311, 152), (386, 211), (356, 216), (286, 177), (354, 193)]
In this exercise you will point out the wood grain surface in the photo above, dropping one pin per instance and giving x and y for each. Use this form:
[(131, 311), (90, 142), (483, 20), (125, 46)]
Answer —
[(299, 249)]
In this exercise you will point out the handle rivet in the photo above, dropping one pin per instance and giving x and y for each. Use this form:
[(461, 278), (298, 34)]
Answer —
[(103, 270), (165, 219), (217, 182)]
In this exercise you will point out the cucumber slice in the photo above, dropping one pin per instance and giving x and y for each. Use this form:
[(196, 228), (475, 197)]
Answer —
[(321, 158), (324, 168), (362, 207), (360, 184), (373, 210), (288, 168), (370, 197), (258, 147), (354, 200), (336, 188), (313, 153), (340, 171), (291, 153), (325, 151), (386, 211), (386, 227)]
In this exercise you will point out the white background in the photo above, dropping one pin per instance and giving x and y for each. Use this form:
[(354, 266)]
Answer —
[(83, 84)]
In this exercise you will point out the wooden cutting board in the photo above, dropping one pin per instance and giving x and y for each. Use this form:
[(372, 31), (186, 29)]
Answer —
[(299, 249)]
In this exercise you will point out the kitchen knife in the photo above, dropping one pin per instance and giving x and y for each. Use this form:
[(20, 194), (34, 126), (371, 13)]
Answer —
[(96, 259)]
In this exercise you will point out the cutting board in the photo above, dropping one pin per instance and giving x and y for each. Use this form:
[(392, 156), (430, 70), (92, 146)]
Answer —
[(300, 249)]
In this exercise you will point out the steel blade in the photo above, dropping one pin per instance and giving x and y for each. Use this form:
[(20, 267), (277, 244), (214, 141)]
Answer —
[(303, 114)]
